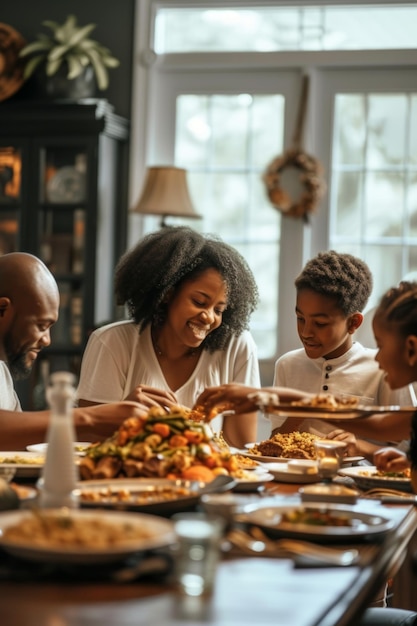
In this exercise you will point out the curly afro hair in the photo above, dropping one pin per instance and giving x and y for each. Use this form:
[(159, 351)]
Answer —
[(147, 276), (343, 277)]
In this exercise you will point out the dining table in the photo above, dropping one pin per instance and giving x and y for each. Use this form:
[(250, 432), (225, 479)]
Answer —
[(248, 589)]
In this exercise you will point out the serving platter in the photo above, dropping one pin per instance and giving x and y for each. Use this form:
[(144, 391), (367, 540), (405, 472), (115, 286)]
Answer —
[(361, 524), (151, 532), (365, 477), (159, 496), (316, 412), (27, 464)]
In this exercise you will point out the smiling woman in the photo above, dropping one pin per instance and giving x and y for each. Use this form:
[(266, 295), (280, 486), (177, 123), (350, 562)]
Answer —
[(189, 297)]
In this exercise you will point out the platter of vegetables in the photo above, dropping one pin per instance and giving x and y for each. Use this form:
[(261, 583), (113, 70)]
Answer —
[(160, 445)]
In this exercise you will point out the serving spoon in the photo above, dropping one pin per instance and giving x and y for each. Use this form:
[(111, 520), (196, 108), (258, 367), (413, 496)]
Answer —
[(259, 543)]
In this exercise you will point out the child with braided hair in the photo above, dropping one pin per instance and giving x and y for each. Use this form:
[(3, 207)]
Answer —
[(395, 329)]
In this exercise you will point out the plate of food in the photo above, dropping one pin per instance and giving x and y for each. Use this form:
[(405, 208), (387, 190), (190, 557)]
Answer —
[(283, 446), (150, 495), (245, 462), (27, 464), (252, 480), (331, 407), (315, 521), (40, 448), (80, 536), (369, 477)]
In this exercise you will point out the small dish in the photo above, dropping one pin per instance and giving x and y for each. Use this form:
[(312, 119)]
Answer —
[(282, 472), (302, 466), (328, 493), (223, 504), (253, 481)]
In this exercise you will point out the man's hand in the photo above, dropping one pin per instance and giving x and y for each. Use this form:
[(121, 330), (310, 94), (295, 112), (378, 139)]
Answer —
[(95, 423)]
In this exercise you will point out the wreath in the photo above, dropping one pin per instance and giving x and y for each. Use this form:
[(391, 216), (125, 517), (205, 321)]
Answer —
[(311, 179)]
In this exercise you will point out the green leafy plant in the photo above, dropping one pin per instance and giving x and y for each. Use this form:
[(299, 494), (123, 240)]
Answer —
[(72, 45)]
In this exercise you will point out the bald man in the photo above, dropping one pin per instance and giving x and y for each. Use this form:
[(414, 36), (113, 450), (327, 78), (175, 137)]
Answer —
[(29, 305)]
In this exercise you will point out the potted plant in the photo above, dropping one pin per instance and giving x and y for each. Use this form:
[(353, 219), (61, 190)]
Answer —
[(70, 63)]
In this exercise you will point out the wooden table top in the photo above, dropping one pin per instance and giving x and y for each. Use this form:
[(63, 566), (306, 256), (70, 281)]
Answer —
[(248, 591)]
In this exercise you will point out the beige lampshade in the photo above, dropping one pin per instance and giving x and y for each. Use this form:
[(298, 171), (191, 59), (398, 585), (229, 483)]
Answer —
[(165, 192)]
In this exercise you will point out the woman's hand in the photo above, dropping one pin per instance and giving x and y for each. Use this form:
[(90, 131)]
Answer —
[(349, 438), (391, 460), (151, 396)]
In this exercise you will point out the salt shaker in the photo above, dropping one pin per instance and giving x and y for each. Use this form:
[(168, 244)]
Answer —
[(57, 485)]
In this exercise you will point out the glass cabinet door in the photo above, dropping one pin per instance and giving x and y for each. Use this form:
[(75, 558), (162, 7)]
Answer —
[(10, 196), (61, 229)]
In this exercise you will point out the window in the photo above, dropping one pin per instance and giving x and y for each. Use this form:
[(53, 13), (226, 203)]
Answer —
[(374, 174), (224, 112), (283, 28), (223, 141)]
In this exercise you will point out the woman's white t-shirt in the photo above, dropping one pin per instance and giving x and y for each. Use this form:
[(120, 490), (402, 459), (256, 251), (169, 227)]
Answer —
[(119, 358)]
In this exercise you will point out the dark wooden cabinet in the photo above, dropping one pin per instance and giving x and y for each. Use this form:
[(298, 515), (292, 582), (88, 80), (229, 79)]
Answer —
[(63, 198)]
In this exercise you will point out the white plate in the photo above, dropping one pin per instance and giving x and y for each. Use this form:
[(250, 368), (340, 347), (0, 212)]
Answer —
[(40, 448), (362, 475), (362, 524), (259, 479), (27, 464), (159, 533), (148, 495), (352, 460), (282, 473)]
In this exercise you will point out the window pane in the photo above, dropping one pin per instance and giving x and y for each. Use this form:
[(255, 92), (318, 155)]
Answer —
[(225, 145), (383, 204), (387, 119), (374, 183), (350, 125), (230, 28), (347, 204)]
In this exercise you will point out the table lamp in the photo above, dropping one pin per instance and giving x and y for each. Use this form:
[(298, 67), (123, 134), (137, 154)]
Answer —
[(165, 192)]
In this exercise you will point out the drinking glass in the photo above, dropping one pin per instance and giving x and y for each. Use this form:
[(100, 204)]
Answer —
[(198, 549), (329, 455)]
